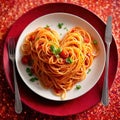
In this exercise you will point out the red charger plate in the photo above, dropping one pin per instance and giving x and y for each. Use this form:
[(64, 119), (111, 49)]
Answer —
[(46, 106)]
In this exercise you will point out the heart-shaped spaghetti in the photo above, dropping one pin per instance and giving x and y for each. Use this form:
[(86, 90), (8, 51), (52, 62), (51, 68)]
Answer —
[(60, 64)]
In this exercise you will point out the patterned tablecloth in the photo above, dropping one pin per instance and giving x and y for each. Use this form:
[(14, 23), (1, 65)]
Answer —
[(10, 11)]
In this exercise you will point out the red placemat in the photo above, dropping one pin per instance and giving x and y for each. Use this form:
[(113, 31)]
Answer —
[(7, 98)]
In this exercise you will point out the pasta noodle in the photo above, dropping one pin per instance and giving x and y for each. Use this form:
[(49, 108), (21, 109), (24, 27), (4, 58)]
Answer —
[(60, 64)]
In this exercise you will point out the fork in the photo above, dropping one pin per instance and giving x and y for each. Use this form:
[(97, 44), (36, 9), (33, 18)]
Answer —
[(11, 51)]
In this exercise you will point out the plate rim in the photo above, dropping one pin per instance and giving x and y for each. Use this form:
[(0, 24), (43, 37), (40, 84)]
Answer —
[(36, 90)]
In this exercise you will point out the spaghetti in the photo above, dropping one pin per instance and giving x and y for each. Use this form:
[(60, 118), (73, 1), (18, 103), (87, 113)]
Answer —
[(60, 64)]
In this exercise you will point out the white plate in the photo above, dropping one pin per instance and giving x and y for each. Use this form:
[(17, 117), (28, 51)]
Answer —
[(68, 21)]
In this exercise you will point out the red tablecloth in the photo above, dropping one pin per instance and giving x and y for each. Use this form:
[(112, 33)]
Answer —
[(10, 11)]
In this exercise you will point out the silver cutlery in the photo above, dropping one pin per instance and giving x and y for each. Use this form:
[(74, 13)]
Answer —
[(11, 51), (108, 40)]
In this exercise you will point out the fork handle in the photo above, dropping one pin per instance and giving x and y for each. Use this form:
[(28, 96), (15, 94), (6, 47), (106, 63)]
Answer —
[(18, 104), (105, 96)]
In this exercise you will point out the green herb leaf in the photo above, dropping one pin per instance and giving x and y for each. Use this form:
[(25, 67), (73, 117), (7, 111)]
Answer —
[(95, 42), (33, 79), (88, 70), (60, 25), (47, 26), (78, 87), (69, 60), (28, 70), (65, 28), (30, 74), (53, 49), (60, 34), (58, 51)]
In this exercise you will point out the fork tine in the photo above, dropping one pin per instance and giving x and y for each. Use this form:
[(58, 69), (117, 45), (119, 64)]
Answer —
[(11, 47)]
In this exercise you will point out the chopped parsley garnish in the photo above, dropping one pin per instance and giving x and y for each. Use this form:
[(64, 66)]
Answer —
[(47, 26), (29, 71), (65, 28), (60, 34), (88, 70), (58, 51), (33, 79), (30, 74), (69, 60), (55, 51), (78, 87), (60, 25), (95, 42)]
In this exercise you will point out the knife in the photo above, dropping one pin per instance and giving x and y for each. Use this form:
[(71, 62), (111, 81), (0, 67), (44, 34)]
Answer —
[(108, 40)]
